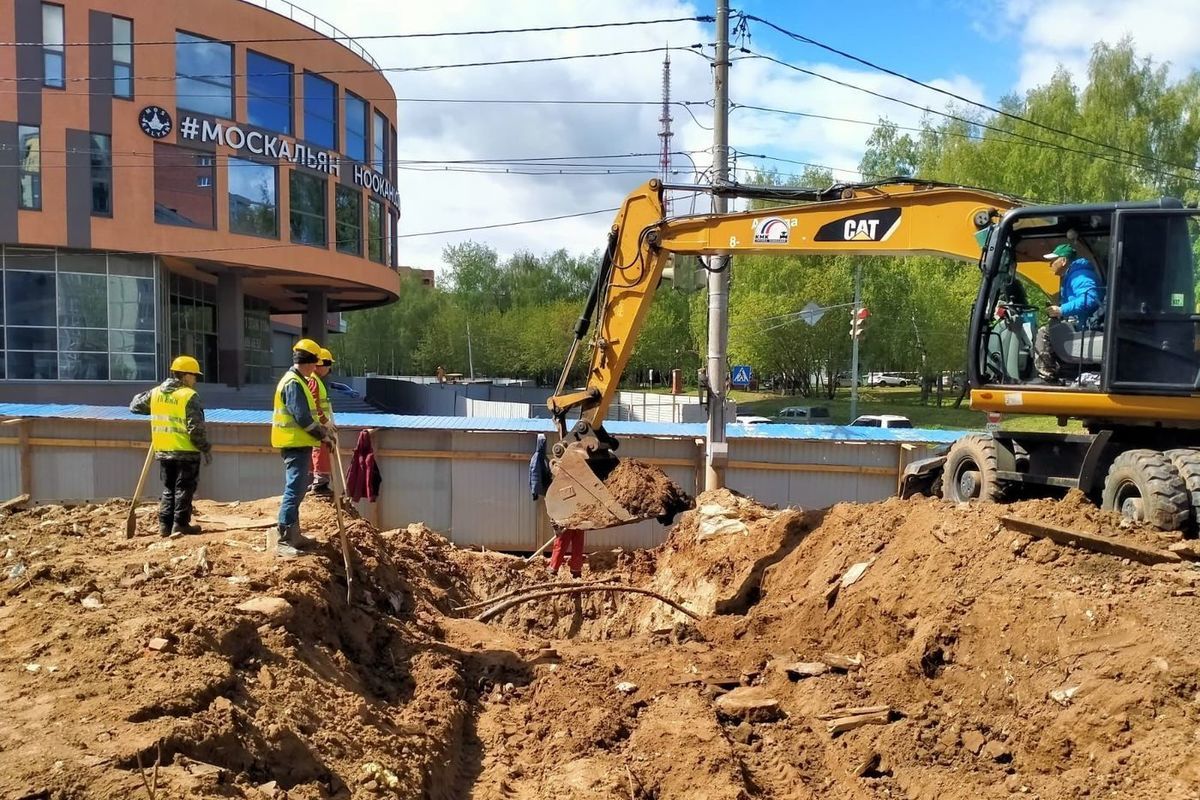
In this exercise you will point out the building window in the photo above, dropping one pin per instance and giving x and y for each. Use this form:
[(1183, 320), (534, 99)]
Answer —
[(54, 68), (203, 75), (307, 209), (193, 320), (252, 205), (122, 57), (320, 111), (32, 335), (378, 142), (183, 187), (392, 153), (77, 315), (356, 127), (29, 143), (269, 92), (102, 183), (375, 231), (394, 240), (257, 341), (349, 220)]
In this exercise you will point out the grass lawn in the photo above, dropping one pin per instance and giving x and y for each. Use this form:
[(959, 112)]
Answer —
[(905, 401)]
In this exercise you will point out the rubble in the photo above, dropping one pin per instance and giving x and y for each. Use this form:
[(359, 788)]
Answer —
[(949, 669)]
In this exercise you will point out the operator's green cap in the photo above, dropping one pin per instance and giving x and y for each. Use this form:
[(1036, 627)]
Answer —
[(1062, 251)]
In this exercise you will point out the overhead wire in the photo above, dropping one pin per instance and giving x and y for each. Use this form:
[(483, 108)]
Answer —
[(377, 36), (694, 49), (961, 98), (970, 122)]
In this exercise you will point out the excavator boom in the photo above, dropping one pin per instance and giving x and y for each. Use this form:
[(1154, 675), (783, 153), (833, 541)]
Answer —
[(885, 219)]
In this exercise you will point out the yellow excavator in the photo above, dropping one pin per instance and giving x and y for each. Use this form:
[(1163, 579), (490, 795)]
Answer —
[(1133, 377)]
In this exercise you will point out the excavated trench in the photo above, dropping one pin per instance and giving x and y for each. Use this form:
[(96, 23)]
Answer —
[(270, 682)]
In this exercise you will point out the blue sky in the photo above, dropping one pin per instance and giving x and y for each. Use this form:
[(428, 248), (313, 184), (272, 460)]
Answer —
[(982, 49), (923, 38)]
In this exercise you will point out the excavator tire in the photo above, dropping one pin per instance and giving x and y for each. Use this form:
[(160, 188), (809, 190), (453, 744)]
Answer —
[(1145, 486), (970, 470), (1187, 464)]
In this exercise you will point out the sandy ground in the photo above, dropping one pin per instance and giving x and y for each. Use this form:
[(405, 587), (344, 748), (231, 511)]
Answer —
[(997, 665)]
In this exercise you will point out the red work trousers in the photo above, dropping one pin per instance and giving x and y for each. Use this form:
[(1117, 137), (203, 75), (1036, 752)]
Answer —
[(320, 461), (568, 539)]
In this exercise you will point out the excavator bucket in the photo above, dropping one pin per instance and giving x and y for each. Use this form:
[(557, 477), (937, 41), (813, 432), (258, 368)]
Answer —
[(577, 497), (592, 489)]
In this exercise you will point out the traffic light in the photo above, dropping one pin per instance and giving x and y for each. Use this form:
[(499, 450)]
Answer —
[(858, 322)]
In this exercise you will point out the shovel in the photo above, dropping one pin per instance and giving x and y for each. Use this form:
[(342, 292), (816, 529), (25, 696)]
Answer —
[(131, 520), (337, 504)]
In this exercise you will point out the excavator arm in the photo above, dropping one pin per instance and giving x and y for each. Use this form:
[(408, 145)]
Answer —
[(884, 219)]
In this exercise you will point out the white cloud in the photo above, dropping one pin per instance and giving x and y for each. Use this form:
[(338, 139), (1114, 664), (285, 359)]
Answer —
[(1054, 32), (441, 200)]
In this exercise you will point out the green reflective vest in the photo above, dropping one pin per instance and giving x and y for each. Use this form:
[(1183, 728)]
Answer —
[(285, 431), (168, 421)]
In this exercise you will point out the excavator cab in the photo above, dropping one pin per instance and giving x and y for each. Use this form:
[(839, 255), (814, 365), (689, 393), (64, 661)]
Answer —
[(1142, 340)]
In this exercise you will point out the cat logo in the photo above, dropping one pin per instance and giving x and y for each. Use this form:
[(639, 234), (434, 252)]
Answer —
[(772, 230), (877, 226)]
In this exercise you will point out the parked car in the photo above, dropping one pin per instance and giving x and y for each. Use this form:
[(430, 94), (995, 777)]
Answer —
[(800, 415), (344, 388), (884, 379), (753, 420), (881, 421)]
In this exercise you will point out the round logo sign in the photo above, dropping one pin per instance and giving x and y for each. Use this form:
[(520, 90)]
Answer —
[(155, 122)]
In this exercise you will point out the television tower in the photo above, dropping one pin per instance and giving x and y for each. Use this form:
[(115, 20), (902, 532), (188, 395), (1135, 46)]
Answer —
[(664, 134)]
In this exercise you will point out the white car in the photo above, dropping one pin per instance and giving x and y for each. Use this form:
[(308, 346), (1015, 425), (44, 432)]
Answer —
[(882, 379), (881, 421), (752, 420)]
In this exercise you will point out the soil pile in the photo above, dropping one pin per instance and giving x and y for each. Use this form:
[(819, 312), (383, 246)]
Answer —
[(646, 491), (910, 649)]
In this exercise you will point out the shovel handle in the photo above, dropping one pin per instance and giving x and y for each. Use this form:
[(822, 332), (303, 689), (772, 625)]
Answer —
[(131, 520)]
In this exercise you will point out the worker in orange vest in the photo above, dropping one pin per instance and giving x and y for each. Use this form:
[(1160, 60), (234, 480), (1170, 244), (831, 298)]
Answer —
[(322, 472)]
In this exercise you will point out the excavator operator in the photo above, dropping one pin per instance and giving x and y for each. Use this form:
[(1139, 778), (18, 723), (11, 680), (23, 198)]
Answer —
[(1080, 296)]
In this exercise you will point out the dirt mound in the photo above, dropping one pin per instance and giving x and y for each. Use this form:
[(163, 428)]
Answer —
[(646, 491), (909, 649), (237, 670)]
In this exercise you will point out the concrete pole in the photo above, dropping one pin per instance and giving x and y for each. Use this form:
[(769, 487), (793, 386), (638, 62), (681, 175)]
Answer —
[(716, 449), (854, 343)]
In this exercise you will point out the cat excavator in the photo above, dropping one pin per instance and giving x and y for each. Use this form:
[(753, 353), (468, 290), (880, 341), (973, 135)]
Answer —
[(1132, 378)]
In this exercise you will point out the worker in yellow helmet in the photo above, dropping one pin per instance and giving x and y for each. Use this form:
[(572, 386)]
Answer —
[(180, 440), (322, 472), (295, 431)]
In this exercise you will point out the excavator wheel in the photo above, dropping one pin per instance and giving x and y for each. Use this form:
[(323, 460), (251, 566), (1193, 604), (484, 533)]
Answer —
[(970, 470), (1187, 464), (1145, 486)]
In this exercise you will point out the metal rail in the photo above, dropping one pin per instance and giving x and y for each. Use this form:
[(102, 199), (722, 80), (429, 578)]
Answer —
[(296, 14)]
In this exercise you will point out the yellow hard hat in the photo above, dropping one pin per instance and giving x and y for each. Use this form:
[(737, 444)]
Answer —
[(186, 364), (326, 356), (307, 346)]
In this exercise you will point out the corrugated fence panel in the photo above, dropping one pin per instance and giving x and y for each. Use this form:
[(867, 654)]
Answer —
[(469, 481), (10, 467), (492, 472)]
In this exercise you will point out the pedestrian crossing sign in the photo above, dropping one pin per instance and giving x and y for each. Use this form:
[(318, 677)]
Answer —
[(742, 376)]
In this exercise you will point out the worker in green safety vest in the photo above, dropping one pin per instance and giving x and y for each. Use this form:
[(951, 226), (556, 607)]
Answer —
[(295, 431), (179, 439)]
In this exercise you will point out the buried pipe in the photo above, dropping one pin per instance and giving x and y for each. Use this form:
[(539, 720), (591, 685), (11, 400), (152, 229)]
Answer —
[(598, 587)]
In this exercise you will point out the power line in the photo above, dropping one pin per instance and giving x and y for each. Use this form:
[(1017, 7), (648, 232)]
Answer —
[(946, 92), (374, 36), (970, 122), (694, 49)]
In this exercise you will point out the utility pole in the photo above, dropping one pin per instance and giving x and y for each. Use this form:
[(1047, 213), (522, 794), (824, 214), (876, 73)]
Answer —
[(854, 320), (470, 356), (717, 450)]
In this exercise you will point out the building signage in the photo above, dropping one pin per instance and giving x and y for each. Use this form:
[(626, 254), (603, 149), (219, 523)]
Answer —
[(155, 122), (281, 148)]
